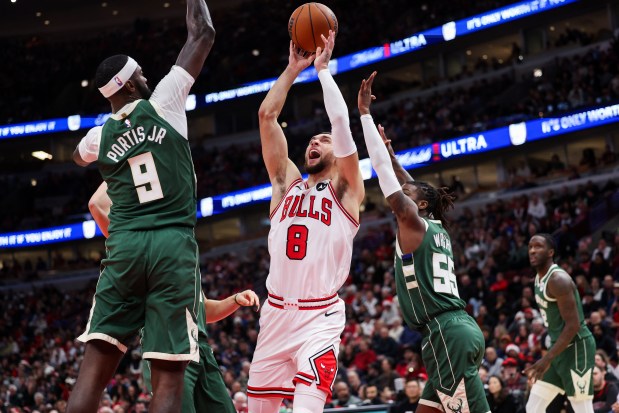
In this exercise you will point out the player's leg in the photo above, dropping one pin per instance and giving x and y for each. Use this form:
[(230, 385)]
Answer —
[(167, 382), (544, 391), (192, 381), (98, 366), (170, 328), (452, 353), (308, 399), (582, 406), (271, 371), (542, 394), (316, 359), (576, 367), (429, 402), (116, 315), (264, 404), (210, 393)]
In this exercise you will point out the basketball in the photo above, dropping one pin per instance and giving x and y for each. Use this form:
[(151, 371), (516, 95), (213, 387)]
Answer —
[(308, 22)]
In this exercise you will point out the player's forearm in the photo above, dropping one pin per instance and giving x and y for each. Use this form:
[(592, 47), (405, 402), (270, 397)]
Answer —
[(379, 156), (99, 206), (274, 101), (400, 172), (101, 218), (343, 143), (219, 309), (565, 338), (199, 22)]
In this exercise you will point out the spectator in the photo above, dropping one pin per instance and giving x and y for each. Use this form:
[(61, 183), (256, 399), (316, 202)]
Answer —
[(604, 393), (483, 374), (600, 267), (412, 391), (513, 380), (537, 208), (342, 396), (384, 345), (603, 363), (371, 395), (500, 399), (602, 248), (364, 357), (388, 374), (240, 402), (492, 362), (390, 313), (603, 341)]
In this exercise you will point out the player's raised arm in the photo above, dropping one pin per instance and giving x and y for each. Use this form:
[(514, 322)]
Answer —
[(406, 211), (400, 172), (200, 38), (344, 148), (282, 171)]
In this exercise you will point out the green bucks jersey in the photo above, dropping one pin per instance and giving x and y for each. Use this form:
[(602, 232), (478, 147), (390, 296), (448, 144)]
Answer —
[(549, 309), (149, 172), (425, 280)]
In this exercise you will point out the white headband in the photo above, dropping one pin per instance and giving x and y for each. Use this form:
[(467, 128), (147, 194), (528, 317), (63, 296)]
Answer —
[(118, 81)]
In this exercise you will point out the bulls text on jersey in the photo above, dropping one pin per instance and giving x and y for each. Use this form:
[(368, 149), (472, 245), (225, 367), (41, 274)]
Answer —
[(294, 206)]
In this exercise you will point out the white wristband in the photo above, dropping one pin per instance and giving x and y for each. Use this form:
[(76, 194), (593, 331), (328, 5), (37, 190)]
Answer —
[(379, 156)]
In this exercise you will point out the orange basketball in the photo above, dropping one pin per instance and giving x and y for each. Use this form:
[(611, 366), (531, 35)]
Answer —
[(308, 22)]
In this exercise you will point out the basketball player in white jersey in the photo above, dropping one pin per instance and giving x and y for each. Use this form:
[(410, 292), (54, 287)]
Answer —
[(313, 224)]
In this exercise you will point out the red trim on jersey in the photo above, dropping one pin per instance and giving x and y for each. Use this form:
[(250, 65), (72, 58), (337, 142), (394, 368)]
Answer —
[(305, 375), (277, 297), (285, 392), (296, 181), (281, 307), (303, 307), (346, 213), (298, 379), (314, 300)]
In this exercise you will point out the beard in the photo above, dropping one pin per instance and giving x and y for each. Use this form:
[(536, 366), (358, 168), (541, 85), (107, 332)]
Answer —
[(143, 90), (317, 168)]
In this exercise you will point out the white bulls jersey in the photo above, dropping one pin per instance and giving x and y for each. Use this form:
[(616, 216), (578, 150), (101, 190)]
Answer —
[(310, 242)]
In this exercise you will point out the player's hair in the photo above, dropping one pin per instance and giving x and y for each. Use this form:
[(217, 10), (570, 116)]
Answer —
[(109, 68), (550, 241), (440, 200)]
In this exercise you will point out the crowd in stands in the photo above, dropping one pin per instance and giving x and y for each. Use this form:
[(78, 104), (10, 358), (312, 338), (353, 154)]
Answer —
[(55, 67), (380, 356), (567, 84)]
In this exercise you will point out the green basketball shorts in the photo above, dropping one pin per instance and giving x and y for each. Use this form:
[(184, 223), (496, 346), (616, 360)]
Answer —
[(203, 385), (149, 279), (452, 351), (571, 372)]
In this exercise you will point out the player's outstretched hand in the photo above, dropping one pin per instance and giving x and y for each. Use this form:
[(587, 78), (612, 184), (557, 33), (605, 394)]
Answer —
[(386, 140), (298, 60), (365, 97), (248, 298), (323, 54), (537, 370)]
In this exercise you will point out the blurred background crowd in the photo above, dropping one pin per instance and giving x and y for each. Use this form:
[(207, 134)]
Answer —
[(380, 360)]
